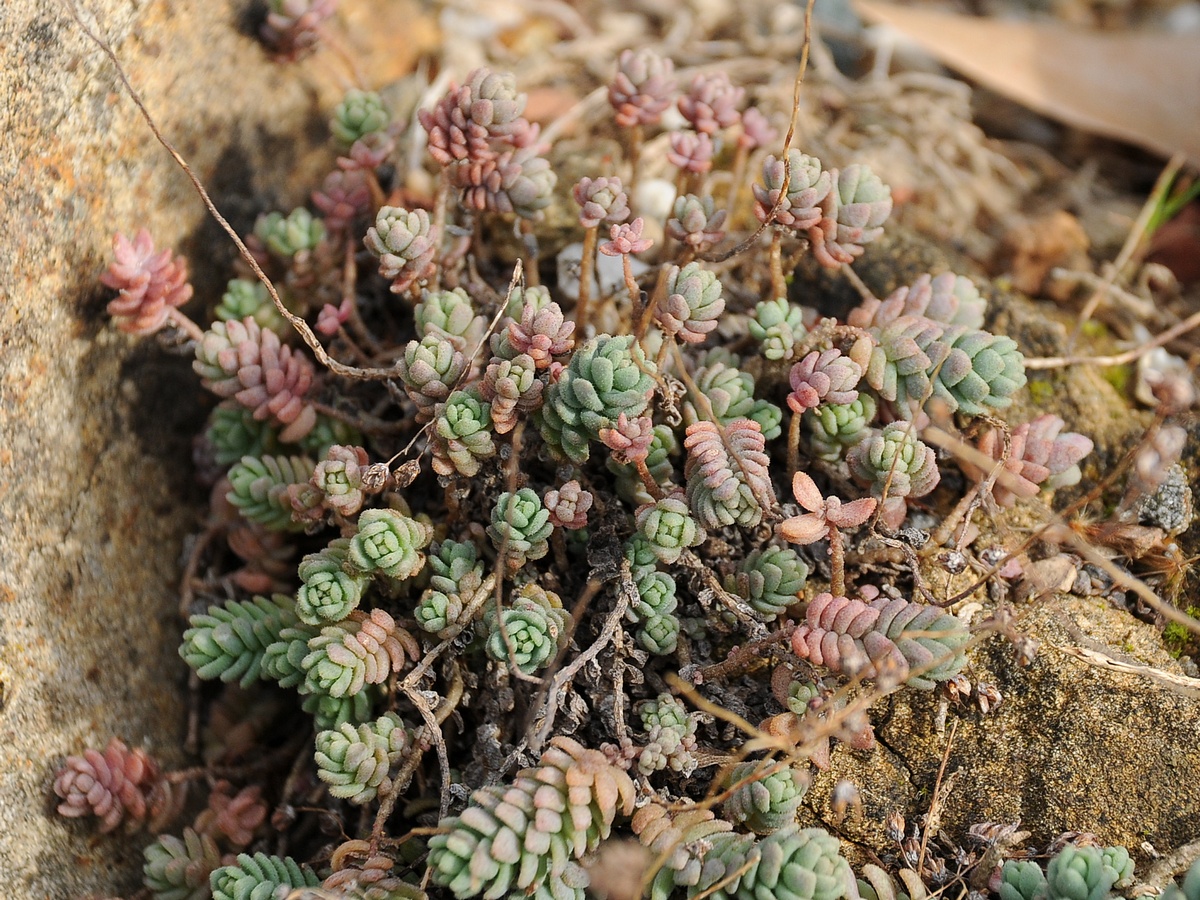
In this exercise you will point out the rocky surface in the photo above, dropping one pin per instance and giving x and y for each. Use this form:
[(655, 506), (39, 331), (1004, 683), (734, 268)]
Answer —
[(95, 426)]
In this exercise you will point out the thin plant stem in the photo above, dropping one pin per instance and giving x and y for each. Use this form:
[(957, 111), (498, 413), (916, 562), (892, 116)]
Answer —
[(837, 562), (587, 264), (778, 285), (793, 451)]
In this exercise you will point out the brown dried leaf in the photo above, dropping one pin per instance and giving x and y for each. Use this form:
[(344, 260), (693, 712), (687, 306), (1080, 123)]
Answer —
[(1139, 87)]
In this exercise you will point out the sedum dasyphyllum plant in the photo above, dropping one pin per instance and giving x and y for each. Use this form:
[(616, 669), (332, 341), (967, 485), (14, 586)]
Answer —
[(463, 540)]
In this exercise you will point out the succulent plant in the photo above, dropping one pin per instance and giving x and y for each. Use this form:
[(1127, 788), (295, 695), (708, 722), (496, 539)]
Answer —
[(232, 817), (778, 326), (370, 879), (568, 506), (948, 299), (326, 432), (328, 593), (514, 181), (259, 489), (606, 376), (390, 543), (642, 87), (512, 387), (757, 130), (858, 637), (980, 373), (339, 478), (405, 243), (244, 361), (524, 836), (823, 513), (895, 462), (535, 624), (114, 786), (344, 198), (1079, 873), (711, 102), (450, 315), (455, 567), (151, 284), (520, 527), (770, 580), (1022, 880), (333, 712), (230, 641), (454, 134), (656, 595), (706, 859), (284, 657), (658, 462), (542, 332), (659, 634), (179, 869), (438, 610), (764, 800), (1117, 859), (692, 303), (680, 838), (249, 299), (429, 370), (853, 213), (640, 554), (626, 238), (293, 27), (669, 528), (808, 186), (601, 200), (286, 236), (696, 222), (670, 735), (691, 151), (823, 377), (727, 477), (360, 113), (354, 762), (535, 296), (1190, 888), (260, 876), (462, 434), (233, 432), (730, 393), (362, 649), (834, 428), (908, 349)]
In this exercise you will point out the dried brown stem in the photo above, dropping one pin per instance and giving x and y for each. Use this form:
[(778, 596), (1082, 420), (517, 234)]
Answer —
[(587, 264)]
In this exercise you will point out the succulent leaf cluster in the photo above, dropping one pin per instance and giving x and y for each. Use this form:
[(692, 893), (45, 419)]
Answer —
[(765, 795), (388, 542), (230, 641), (529, 631), (354, 762), (607, 376), (260, 875), (778, 326), (908, 641), (527, 835), (150, 282), (520, 527), (670, 736), (770, 580)]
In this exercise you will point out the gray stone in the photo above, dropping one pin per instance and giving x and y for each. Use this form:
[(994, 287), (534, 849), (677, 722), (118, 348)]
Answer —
[(95, 487)]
